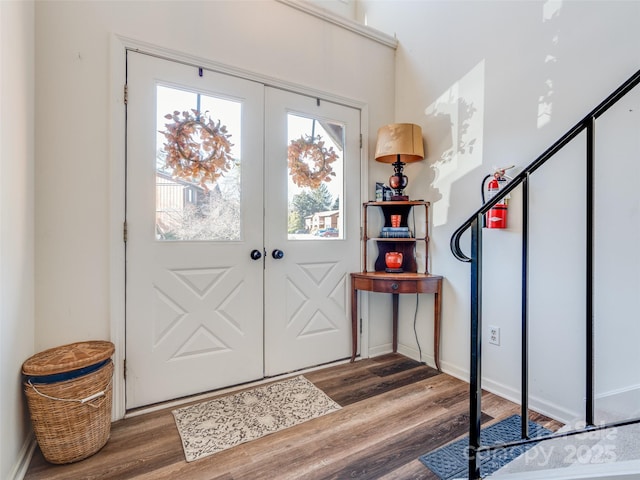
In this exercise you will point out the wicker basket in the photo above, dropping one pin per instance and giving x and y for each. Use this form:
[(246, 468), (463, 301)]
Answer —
[(70, 410)]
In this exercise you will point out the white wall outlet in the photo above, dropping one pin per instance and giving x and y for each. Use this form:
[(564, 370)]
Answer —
[(494, 335)]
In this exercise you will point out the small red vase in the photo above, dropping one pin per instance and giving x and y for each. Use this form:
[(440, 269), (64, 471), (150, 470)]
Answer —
[(393, 259)]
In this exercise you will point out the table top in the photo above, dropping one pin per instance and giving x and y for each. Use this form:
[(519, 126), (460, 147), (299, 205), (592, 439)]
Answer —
[(409, 276)]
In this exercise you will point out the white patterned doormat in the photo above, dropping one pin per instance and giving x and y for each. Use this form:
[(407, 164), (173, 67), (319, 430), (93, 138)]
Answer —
[(221, 423)]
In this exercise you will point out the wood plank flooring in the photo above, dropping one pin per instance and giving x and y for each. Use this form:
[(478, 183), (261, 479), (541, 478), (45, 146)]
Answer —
[(394, 410)]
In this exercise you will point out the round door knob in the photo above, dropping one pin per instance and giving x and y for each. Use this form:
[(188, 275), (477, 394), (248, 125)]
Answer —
[(256, 254), (277, 254)]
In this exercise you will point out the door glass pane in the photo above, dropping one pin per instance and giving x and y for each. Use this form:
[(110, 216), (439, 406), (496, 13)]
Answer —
[(315, 187), (197, 166)]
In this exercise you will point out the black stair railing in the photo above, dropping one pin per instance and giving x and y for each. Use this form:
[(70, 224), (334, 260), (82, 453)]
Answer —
[(474, 224)]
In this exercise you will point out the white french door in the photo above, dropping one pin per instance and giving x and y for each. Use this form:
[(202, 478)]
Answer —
[(307, 291), (189, 324), (234, 277)]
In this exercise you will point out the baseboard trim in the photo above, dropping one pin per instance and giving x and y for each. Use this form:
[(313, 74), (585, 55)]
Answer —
[(536, 404), (623, 402), (415, 355), (380, 350), (24, 458)]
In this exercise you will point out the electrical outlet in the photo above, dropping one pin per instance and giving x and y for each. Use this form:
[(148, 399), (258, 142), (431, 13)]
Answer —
[(494, 335)]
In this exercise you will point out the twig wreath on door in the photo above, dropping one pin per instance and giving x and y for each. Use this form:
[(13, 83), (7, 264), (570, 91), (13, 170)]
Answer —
[(198, 149), (306, 152)]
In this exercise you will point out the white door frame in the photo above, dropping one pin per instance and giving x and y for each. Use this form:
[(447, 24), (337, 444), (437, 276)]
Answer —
[(118, 47)]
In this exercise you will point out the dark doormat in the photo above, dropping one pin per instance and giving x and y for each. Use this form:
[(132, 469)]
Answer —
[(451, 461)]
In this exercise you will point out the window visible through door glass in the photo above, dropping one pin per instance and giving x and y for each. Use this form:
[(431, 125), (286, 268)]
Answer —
[(189, 208), (315, 186)]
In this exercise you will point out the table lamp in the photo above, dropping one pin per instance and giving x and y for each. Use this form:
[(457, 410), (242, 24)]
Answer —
[(398, 144)]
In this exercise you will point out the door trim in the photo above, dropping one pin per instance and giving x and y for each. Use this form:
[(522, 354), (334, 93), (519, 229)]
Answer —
[(118, 47)]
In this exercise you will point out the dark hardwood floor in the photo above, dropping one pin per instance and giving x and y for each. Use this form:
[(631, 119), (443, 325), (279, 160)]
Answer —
[(394, 410)]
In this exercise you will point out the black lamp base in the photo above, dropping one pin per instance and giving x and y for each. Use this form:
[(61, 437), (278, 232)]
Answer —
[(398, 181)]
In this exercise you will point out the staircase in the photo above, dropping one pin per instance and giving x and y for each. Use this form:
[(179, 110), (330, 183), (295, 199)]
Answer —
[(587, 438), (610, 453)]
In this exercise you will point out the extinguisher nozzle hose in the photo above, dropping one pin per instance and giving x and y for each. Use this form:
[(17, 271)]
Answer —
[(484, 180)]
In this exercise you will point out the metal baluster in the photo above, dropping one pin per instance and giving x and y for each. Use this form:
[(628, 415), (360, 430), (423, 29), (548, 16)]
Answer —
[(475, 380)]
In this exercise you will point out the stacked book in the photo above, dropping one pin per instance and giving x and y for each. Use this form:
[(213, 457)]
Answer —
[(395, 232)]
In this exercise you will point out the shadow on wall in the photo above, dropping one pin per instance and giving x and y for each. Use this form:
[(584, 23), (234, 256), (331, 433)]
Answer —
[(455, 122)]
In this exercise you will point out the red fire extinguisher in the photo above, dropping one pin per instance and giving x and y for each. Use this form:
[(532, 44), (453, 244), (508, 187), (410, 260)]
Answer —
[(496, 217)]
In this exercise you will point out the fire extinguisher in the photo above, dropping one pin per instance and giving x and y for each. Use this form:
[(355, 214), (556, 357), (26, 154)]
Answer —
[(496, 217)]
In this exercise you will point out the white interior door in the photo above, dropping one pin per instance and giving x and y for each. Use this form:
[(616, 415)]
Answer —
[(194, 312), (316, 226)]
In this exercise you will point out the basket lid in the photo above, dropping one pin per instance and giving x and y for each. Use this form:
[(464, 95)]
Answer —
[(68, 357)]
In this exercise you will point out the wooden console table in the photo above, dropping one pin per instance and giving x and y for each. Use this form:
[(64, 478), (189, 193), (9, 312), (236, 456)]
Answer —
[(397, 283)]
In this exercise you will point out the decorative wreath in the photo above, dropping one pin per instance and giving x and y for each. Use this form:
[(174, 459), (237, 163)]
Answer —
[(310, 151), (197, 148)]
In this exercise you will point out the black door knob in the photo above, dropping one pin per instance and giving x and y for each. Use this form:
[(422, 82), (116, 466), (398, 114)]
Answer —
[(256, 254), (277, 254)]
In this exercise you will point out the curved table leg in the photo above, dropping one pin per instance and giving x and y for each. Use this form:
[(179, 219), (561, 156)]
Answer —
[(354, 323), (437, 314)]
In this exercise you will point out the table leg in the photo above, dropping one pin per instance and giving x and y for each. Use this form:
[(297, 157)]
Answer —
[(395, 322), (354, 324), (437, 299)]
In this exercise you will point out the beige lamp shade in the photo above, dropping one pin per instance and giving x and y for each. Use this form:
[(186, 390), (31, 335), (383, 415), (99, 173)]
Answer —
[(399, 142)]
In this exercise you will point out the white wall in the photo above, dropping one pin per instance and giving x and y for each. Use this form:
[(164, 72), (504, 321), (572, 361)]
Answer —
[(479, 70), (16, 227), (75, 110), (495, 83), (618, 259)]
